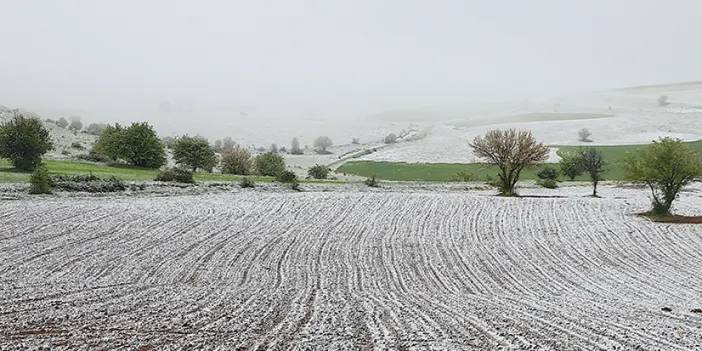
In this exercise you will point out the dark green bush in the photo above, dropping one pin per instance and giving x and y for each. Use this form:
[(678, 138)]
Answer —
[(270, 164), (548, 183), (289, 177), (40, 180), (88, 183), (318, 172), (548, 172), (175, 174), (286, 177), (137, 144)]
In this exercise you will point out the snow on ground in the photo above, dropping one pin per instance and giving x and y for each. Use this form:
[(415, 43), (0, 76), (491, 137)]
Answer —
[(349, 270), (636, 118)]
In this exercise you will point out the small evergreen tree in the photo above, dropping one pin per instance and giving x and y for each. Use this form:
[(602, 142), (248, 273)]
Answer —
[(40, 181), (571, 165)]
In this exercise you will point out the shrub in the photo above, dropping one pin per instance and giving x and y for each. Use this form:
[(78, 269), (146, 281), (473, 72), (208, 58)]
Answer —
[(88, 183), (237, 161), (194, 153), (390, 138), (666, 167), (511, 151), (319, 172), (289, 177), (247, 182), (270, 164), (24, 141), (321, 144), (371, 182), (286, 176), (571, 165), (548, 183), (40, 181), (175, 174), (548, 172)]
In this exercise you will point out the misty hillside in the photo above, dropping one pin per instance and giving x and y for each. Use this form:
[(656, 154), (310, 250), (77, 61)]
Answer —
[(622, 116)]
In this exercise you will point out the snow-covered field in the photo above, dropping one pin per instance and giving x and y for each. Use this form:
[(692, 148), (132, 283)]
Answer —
[(635, 118), (349, 269)]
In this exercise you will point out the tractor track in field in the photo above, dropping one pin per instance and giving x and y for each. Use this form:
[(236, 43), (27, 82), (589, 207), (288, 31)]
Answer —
[(348, 270)]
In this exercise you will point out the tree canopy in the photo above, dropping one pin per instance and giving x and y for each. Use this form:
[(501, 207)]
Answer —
[(666, 166), (511, 151), (24, 141), (194, 153)]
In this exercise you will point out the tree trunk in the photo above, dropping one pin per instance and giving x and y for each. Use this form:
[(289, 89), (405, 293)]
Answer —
[(594, 189)]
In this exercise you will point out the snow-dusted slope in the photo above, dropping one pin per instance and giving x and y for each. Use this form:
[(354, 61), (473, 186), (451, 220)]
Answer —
[(625, 116)]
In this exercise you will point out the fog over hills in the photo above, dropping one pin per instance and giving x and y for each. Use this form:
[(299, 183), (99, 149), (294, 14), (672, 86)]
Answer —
[(264, 72)]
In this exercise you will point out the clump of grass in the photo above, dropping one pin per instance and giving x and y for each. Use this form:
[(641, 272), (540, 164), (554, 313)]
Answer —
[(548, 183), (372, 182), (290, 178), (175, 174), (247, 182)]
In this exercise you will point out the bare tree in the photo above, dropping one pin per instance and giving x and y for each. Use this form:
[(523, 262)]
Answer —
[(584, 135), (511, 151), (593, 164), (237, 161)]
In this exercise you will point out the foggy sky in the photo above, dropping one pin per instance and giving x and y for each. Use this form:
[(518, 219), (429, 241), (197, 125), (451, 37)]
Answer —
[(170, 62)]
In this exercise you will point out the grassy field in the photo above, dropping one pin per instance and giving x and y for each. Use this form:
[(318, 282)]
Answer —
[(401, 171), (10, 175)]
